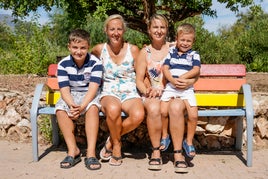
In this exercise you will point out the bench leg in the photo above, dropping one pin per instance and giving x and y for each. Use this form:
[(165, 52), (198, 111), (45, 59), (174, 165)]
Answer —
[(34, 137), (34, 115), (250, 119), (239, 133), (55, 130)]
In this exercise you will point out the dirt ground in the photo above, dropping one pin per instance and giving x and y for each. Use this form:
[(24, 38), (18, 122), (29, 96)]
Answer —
[(27, 83)]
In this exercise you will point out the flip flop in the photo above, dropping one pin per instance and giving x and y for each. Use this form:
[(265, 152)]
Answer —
[(72, 161), (165, 142), (188, 149), (117, 159), (92, 161), (104, 150)]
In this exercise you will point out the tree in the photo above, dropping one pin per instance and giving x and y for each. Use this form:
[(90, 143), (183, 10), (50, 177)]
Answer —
[(135, 12)]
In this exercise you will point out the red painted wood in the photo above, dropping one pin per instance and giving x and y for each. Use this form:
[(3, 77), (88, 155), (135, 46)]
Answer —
[(52, 70), (237, 70)]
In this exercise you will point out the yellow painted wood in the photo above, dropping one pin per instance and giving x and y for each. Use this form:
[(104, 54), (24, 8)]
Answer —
[(203, 99), (213, 99), (52, 97)]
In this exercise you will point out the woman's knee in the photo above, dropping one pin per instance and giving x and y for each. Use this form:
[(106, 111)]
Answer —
[(112, 111)]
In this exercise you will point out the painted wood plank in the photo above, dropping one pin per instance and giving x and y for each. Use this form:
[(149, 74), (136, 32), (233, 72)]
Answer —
[(52, 97), (223, 70), (209, 84), (52, 70), (232, 100), (52, 83)]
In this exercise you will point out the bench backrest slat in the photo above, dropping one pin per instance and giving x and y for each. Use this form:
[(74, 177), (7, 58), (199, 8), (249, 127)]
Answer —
[(217, 70), (209, 84)]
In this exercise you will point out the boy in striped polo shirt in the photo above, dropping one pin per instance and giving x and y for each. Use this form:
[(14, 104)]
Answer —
[(79, 77), (181, 63)]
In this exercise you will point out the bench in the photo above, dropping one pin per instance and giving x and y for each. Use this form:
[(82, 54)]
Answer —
[(220, 91)]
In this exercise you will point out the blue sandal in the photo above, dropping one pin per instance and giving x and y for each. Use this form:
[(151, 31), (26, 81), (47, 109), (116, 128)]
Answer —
[(165, 142), (188, 149)]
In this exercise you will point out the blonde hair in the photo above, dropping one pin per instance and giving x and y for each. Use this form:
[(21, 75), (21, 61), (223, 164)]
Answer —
[(159, 17), (112, 17), (186, 28)]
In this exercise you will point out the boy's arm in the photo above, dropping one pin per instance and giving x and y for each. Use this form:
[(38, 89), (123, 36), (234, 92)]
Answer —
[(168, 75), (193, 73), (90, 95)]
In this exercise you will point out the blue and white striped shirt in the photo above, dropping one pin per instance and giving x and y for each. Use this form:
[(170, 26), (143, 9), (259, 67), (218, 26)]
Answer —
[(180, 64), (78, 79)]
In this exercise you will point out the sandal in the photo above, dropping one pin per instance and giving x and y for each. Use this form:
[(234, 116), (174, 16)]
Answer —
[(92, 161), (155, 166), (165, 142), (177, 164), (188, 149), (118, 160), (72, 161), (104, 150)]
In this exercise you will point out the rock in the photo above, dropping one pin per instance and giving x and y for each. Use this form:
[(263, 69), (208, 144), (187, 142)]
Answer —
[(216, 124)]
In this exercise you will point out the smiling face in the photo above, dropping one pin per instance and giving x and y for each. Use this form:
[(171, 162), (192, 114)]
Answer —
[(115, 31), (158, 30), (185, 37), (78, 49), (185, 41)]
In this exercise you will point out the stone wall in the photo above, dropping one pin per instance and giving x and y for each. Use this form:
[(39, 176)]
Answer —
[(211, 133)]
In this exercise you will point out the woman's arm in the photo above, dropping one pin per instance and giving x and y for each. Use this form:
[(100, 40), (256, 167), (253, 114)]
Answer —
[(141, 66)]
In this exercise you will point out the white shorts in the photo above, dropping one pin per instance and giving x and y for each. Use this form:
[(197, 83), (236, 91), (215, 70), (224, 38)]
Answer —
[(187, 94), (78, 98)]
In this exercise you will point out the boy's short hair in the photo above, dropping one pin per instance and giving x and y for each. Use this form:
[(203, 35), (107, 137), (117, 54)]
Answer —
[(186, 28), (77, 35)]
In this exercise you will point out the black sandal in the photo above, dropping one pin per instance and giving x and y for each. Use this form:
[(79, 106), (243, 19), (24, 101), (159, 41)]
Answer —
[(92, 161), (72, 161), (155, 166), (177, 164)]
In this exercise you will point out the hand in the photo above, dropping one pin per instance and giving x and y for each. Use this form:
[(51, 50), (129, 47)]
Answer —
[(155, 92), (184, 83), (74, 112)]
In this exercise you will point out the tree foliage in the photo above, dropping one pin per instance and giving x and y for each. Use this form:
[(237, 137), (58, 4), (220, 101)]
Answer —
[(135, 12)]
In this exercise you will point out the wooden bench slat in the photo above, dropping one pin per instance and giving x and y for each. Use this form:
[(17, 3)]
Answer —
[(237, 70), (203, 99), (52, 97), (52, 83), (232, 100), (208, 84), (52, 70)]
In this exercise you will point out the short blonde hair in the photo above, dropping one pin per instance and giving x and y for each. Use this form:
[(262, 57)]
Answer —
[(186, 28), (112, 17)]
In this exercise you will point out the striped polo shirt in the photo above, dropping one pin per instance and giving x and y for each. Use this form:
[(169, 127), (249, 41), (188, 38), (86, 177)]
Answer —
[(180, 64), (78, 79)]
